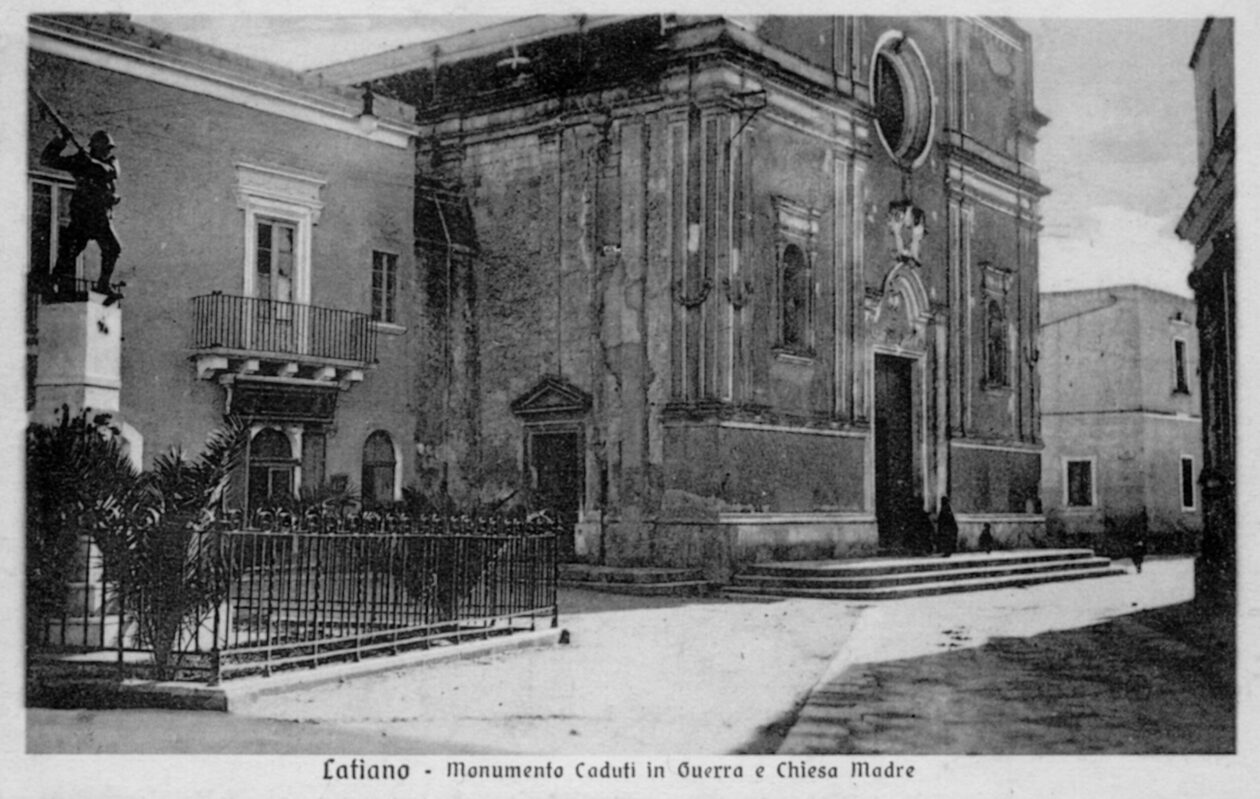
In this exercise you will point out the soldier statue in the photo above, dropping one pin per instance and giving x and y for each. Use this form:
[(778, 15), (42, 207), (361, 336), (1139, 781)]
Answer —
[(95, 174)]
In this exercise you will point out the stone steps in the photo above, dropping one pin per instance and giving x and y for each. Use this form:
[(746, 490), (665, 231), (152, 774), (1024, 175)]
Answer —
[(890, 578), (638, 581)]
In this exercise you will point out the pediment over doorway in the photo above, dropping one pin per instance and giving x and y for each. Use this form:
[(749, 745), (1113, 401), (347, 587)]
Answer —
[(899, 311), (552, 396)]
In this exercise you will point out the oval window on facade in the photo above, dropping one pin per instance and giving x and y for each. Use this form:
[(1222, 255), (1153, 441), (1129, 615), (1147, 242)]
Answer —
[(902, 94)]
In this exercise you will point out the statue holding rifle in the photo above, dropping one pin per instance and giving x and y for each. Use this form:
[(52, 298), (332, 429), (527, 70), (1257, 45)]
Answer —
[(95, 173)]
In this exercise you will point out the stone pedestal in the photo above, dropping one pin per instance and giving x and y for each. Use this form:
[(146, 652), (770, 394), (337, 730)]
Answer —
[(80, 357), (91, 618)]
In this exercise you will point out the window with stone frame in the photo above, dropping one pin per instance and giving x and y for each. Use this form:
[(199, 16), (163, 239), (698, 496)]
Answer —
[(1078, 483), (795, 233), (281, 211)]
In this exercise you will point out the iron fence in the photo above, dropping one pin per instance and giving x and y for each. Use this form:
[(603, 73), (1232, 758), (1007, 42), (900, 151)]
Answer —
[(321, 587), (253, 324)]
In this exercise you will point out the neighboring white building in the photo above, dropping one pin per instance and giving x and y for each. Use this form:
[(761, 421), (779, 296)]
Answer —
[(1120, 417)]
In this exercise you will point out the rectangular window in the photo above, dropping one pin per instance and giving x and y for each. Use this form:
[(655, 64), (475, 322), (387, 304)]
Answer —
[(1187, 483), (274, 259), (384, 287), (1079, 483), (50, 216), (1182, 385)]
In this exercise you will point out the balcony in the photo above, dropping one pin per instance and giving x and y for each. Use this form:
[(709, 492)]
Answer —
[(247, 337)]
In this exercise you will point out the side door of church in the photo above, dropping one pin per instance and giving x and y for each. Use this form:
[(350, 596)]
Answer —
[(555, 458)]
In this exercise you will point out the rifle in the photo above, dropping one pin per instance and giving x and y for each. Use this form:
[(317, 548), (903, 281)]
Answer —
[(66, 133)]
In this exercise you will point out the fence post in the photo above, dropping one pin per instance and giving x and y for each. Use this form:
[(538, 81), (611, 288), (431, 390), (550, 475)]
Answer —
[(553, 589), (122, 621)]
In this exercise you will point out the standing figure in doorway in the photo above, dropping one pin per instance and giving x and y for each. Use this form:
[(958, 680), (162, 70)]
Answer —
[(95, 174), (946, 530), (921, 530)]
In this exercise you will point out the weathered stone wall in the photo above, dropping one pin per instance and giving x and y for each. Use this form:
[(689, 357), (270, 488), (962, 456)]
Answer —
[(766, 471), (995, 481), (630, 240)]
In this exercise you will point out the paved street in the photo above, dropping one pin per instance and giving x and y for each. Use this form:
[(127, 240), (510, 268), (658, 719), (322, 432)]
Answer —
[(1016, 670), (640, 676), (1011, 674)]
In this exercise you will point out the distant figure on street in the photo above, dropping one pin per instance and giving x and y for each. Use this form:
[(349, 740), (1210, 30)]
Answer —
[(95, 174), (946, 530), (1139, 552), (986, 538)]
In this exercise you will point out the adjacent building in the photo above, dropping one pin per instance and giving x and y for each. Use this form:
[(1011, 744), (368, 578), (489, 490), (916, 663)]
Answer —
[(722, 289), (1120, 419), (267, 256), (1208, 224)]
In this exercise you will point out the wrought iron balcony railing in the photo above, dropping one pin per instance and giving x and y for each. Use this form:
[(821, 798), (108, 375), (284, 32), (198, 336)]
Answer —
[(225, 322)]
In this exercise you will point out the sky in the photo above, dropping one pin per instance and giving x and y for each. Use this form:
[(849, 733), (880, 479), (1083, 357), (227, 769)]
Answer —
[(1118, 155)]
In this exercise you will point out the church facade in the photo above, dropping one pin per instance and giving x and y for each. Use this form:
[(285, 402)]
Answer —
[(724, 289)]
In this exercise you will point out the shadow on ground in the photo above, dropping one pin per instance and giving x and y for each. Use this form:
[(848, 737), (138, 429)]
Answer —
[(149, 732), (1157, 682)]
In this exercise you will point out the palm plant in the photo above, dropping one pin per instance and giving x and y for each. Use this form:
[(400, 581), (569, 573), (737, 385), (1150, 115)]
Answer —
[(154, 528), (163, 549)]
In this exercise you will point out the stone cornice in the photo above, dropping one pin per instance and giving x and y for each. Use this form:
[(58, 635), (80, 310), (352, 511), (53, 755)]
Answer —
[(133, 60), (1214, 189)]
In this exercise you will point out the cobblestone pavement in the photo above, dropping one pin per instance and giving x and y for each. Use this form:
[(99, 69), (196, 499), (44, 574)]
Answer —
[(1157, 681)]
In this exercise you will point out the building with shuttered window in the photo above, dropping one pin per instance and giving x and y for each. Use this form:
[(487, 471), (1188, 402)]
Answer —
[(268, 257)]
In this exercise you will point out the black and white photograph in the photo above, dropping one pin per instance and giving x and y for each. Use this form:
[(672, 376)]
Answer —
[(819, 401)]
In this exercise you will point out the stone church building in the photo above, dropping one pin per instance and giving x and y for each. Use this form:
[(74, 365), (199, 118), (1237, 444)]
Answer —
[(724, 289)]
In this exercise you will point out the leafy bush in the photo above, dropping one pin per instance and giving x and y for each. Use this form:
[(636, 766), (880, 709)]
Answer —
[(164, 553)]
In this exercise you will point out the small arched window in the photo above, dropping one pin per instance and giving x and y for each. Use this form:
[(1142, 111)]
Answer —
[(996, 371), (794, 291), (378, 469), (271, 469)]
